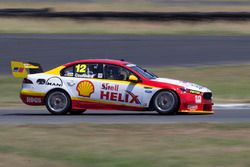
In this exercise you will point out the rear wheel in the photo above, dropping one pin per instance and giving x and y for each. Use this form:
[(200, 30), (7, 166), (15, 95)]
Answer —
[(58, 102), (166, 102)]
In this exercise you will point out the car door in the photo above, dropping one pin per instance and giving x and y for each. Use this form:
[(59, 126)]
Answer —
[(95, 85), (115, 87), (83, 81)]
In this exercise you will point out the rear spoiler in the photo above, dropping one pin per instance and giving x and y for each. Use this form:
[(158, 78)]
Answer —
[(21, 69)]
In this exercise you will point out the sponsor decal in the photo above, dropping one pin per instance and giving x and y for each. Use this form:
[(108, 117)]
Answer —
[(111, 87), (69, 74), (198, 99), (148, 91), (185, 82), (36, 100), (18, 69), (99, 75), (197, 86), (192, 107), (84, 75), (110, 92), (41, 81), (54, 81), (195, 92), (129, 97), (71, 83), (85, 88)]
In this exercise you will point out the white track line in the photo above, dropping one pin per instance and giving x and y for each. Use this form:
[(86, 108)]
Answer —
[(232, 106)]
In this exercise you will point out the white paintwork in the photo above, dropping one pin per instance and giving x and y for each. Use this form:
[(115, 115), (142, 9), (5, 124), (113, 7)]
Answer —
[(184, 84), (70, 84)]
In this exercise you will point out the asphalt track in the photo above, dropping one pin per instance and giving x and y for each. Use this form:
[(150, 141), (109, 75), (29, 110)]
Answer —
[(54, 50), (38, 116)]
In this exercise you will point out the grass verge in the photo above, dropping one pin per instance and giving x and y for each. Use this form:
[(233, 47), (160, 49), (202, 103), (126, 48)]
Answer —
[(229, 83), (200, 145), (62, 26), (128, 5)]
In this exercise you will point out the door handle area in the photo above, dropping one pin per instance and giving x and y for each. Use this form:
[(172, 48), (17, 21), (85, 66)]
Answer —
[(71, 83)]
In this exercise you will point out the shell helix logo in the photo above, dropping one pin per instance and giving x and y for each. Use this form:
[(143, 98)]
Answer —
[(85, 88)]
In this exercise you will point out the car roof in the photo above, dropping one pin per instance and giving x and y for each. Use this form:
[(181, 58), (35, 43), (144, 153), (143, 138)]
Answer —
[(106, 61)]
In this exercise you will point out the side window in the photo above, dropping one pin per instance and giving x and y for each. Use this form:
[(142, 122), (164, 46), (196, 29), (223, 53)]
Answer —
[(83, 71), (88, 70), (116, 72), (68, 72)]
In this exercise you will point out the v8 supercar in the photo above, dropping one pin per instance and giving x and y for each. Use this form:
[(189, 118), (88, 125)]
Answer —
[(108, 84)]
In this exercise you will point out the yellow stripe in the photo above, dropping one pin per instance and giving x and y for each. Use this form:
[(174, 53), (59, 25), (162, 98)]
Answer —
[(32, 93), (100, 101), (30, 66), (198, 111), (55, 71), (120, 82)]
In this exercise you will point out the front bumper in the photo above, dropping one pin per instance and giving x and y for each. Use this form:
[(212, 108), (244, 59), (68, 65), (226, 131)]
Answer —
[(193, 103)]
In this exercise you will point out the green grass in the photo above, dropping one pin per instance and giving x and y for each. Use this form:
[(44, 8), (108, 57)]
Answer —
[(125, 5), (59, 26), (10, 88), (68, 26), (200, 145), (229, 83)]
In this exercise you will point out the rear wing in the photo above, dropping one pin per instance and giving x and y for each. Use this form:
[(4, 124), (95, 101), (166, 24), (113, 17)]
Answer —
[(21, 69)]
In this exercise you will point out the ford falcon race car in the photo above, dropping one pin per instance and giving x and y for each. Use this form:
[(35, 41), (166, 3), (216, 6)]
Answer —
[(108, 84)]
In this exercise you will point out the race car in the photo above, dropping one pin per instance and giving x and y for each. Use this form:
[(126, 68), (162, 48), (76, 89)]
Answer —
[(108, 85)]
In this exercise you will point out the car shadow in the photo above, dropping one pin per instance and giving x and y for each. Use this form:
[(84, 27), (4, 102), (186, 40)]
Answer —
[(103, 114)]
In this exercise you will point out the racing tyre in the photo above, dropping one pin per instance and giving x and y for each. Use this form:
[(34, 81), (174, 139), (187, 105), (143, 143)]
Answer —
[(166, 102), (77, 112), (58, 102)]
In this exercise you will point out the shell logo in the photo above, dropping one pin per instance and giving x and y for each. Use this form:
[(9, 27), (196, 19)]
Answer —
[(85, 88)]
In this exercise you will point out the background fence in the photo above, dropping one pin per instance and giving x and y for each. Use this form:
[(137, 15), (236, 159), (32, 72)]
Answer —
[(145, 16)]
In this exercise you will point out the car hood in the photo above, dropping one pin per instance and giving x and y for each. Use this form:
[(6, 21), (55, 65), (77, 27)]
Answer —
[(187, 85)]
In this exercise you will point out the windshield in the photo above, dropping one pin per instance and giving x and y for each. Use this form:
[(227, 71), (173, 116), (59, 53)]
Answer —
[(142, 71)]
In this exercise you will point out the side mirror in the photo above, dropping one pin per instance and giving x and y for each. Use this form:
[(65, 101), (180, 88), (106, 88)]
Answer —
[(133, 78)]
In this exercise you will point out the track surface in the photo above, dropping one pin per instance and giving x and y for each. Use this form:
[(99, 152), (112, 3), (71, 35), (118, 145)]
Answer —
[(54, 50), (164, 2), (113, 117)]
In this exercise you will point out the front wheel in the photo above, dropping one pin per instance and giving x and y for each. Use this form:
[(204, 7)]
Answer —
[(58, 102), (166, 102)]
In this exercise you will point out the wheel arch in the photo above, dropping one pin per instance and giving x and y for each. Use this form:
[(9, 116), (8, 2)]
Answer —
[(57, 89), (151, 106), (68, 106)]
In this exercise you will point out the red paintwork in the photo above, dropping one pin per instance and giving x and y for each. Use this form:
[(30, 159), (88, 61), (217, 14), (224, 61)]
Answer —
[(25, 100), (77, 105), (105, 61)]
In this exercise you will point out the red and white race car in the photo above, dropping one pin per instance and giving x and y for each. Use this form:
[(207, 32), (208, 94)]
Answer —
[(108, 84)]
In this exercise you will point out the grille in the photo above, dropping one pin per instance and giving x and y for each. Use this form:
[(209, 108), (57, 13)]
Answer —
[(207, 96), (207, 107)]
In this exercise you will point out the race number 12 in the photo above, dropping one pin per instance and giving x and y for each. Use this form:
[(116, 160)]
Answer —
[(81, 68)]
